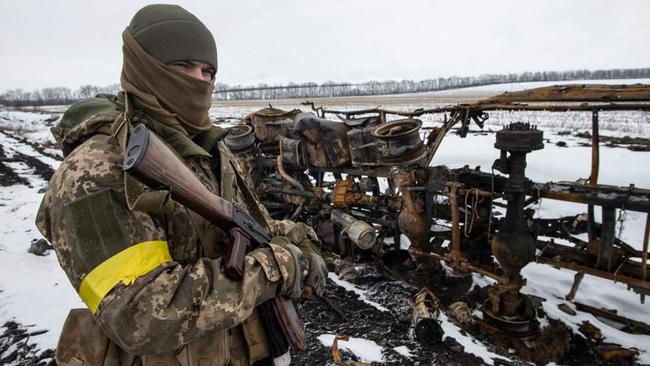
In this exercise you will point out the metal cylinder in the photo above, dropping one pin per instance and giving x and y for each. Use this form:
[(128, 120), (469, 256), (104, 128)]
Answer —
[(241, 139), (292, 152), (514, 245), (362, 234), (426, 310), (399, 142)]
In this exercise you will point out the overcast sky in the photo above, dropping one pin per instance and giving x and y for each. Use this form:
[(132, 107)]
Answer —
[(70, 43)]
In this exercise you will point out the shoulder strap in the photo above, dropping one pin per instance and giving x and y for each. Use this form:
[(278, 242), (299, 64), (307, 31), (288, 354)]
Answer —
[(251, 203), (139, 197), (208, 140)]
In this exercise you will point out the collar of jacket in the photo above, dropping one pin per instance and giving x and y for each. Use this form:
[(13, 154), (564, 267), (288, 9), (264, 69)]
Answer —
[(185, 146)]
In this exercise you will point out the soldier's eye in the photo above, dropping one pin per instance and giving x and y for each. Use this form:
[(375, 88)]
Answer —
[(184, 65), (208, 71)]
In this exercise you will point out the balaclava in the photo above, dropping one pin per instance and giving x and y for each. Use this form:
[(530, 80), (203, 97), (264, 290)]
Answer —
[(162, 34)]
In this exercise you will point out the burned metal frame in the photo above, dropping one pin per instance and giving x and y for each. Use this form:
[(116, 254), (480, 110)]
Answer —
[(582, 98), (420, 195), (447, 214)]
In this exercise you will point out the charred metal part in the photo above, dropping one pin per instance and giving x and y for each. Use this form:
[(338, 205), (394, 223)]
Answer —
[(612, 352), (325, 142), (344, 195), (456, 255), (630, 326), (514, 245), (591, 331), (510, 311), (561, 227), (269, 124), (577, 280), (630, 198), (410, 220), (460, 312), (346, 269), (577, 259), (399, 142), (547, 346), (327, 235), (360, 233), (292, 152), (605, 249), (567, 309), (293, 181), (519, 137), (363, 147), (576, 93), (367, 184), (241, 139), (426, 311)]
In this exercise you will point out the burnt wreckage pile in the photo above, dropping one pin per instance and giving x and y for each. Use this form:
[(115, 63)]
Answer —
[(384, 187)]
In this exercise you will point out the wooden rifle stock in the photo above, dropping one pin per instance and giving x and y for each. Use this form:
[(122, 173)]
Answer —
[(149, 159)]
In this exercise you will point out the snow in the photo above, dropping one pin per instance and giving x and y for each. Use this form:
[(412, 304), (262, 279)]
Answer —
[(11, 147), (34, 289), (481, 281), (366, 350), (357, 290), (28, 123), (404, 351), (469, 343), (552, 284)]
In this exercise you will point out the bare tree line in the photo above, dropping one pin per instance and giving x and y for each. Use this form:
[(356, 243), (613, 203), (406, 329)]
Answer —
[(333, 89), (63, 95), (53, 96)]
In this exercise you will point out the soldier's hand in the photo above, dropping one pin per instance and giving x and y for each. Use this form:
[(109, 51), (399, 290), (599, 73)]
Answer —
[(293, 266), (317, 275)]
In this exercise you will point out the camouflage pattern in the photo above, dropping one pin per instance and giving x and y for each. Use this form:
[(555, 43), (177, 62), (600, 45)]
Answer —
[(85, 216), (305, 238)]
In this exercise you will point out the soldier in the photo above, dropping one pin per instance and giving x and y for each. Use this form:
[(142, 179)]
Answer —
[(148, 269)]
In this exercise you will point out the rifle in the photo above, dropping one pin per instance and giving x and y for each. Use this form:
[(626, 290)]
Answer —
[(149, 159)]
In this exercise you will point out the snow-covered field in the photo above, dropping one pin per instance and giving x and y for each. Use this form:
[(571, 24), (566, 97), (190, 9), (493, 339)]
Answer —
[(632, 123), (34, 290)]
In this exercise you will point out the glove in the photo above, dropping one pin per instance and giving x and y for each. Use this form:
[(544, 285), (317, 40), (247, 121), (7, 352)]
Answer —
[(317, 275), (292, 265), (305, 238)]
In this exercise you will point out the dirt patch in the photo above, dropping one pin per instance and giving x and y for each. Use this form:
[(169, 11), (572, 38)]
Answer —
[(631, 143), (15, 348), (7, 175), (389, 329), (40, 168), (41, 148)]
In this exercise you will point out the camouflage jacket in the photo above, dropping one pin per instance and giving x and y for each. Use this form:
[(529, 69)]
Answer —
[(153, 281)]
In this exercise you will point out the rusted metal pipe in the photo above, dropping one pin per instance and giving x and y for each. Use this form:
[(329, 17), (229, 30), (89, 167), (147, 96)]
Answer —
[(595, 165), (286, 176), (455, 219), (294, 182), (595, 272), (461, 266)]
